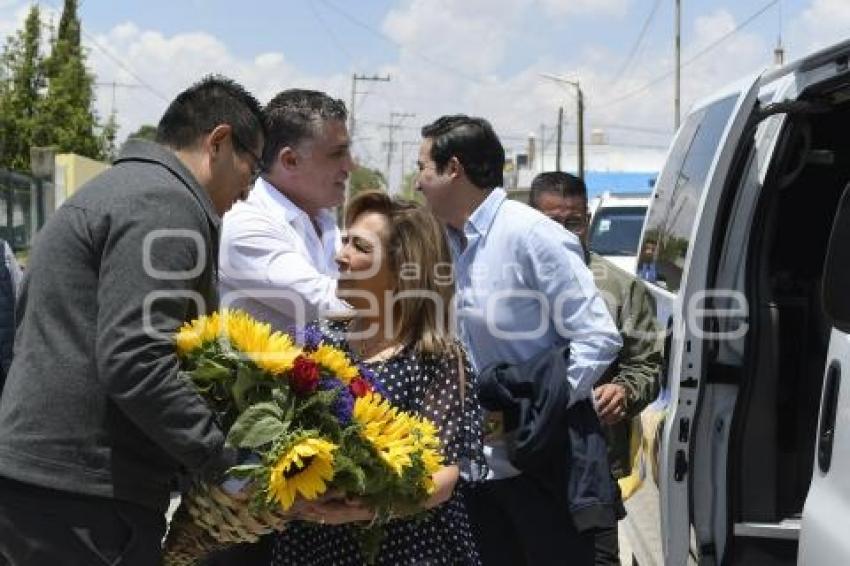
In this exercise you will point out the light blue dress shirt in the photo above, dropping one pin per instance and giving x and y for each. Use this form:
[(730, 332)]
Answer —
[(522, 288)]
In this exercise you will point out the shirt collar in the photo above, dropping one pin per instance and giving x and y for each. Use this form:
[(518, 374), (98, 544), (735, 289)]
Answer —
[(482, 217), (270, 194)]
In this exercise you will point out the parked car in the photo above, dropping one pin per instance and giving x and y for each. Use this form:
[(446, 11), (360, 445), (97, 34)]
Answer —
[(745, 249), (615, 227)]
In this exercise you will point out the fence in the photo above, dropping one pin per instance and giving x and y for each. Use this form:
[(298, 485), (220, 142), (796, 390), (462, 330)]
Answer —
[(22, 208)]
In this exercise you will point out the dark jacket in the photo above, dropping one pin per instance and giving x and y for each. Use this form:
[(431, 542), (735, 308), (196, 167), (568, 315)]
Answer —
[(94, 403), (564, 449), (638, 364)]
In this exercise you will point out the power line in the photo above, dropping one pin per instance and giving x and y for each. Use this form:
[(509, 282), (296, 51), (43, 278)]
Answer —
[(115, 59), (334, 39), (383, 36), (633, 51), (690, 60), (629, 128)]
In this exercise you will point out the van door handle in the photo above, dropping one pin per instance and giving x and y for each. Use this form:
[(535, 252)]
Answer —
[(829, 406)]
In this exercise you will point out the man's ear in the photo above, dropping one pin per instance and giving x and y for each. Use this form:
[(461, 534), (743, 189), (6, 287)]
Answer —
[(454, 167), (288, 158), (221, 134)]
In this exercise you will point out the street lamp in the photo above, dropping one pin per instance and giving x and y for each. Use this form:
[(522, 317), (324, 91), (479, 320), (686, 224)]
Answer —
[(580, 121)]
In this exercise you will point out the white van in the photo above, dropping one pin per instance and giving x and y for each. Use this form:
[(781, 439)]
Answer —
[(753, 465), (615, 227)]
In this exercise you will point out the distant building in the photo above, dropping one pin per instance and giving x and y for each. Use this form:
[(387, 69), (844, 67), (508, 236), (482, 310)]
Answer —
[(608, 166), (27, 201)]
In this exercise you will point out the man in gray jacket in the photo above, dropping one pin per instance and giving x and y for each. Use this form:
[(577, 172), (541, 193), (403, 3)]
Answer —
[(95, 420)]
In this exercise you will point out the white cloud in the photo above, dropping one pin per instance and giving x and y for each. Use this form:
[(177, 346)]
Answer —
[(168, 64), (823, 23), (452, 58), (616, 8), (472, 35), (13, 13)]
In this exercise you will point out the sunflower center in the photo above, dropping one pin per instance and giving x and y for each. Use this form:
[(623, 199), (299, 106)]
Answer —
[(297, 467)]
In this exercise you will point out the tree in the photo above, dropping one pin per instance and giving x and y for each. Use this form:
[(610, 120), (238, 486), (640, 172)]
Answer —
[(70, 122), (22, 65), (145, 132), (107, 138), (363, 179), (408, 188)]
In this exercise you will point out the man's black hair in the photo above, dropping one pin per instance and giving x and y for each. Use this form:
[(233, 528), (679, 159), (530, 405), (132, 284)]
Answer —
[(558, 183), (296, 115), (207, 104), (475, 145)]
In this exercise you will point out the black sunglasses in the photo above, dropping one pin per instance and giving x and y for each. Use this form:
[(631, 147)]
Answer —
[(574, 224), (259, 166)]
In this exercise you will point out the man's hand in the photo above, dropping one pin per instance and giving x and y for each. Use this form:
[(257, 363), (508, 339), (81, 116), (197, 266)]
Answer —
[(610, 401)]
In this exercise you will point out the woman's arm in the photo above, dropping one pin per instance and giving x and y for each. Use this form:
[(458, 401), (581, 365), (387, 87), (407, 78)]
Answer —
[(445, 479), (339, 511)]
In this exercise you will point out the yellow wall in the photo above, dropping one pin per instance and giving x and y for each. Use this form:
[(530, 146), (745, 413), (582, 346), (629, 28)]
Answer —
[(72, 171)]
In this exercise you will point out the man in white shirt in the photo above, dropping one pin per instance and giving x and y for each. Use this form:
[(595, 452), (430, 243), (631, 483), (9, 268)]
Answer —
[(278, 246)]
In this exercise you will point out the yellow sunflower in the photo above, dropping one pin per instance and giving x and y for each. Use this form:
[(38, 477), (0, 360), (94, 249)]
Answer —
[(428, 441), (273, 352), (390, 431), (305, 469), (193, 335), (335, 361)]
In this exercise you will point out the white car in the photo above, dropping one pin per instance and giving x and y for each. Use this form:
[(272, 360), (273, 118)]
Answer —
[(615, 227), (745, 249)]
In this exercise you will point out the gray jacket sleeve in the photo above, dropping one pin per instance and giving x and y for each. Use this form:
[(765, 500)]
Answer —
[(148, 281)]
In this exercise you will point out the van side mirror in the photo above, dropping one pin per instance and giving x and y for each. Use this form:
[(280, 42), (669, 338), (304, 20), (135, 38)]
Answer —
[(836, 277)]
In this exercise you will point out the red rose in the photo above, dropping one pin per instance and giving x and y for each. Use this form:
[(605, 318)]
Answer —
[(305, 375), (359, 387)]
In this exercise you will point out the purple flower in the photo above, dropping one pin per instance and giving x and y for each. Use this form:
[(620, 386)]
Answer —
[(372, 378), (365, 371), (343, 405), (308, 337)]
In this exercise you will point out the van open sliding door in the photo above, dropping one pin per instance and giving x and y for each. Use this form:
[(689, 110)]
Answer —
[(719, 125)]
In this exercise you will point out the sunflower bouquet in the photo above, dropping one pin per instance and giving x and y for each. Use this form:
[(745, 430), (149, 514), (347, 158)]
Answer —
[(309, 419)]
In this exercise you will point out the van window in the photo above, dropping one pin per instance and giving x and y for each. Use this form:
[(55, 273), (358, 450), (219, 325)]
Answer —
[(673, 211), (615, 230)]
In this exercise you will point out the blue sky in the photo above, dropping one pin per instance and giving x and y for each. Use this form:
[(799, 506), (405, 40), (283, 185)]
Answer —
[(476, 56)]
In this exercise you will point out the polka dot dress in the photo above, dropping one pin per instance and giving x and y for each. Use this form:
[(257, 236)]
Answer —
[(429, 387)]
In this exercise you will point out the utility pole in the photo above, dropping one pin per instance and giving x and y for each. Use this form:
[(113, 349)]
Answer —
[(580, 131), (352, 122), (115, 85), (558, 137), (542, 145), (391, 126), (354, 79), (677, 100), (579, 125), (405, 144)]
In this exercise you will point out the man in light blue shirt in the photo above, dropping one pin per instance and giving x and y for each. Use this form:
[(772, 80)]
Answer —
[(522, 288)]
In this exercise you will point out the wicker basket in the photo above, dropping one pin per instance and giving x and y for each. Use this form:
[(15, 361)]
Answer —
[(208, 520)]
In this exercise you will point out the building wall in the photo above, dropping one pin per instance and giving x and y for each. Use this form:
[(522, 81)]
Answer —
[(72, 171)]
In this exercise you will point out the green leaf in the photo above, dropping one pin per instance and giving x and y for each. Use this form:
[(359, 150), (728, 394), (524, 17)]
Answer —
[(244, 470), (208, 371), (260, 424), (248, 378)]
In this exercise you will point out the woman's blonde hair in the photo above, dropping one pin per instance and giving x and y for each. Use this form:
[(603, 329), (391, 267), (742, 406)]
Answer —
[(418, 255)]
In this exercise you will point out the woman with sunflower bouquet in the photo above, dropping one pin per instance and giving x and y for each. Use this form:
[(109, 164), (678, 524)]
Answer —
[(390, 272)]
